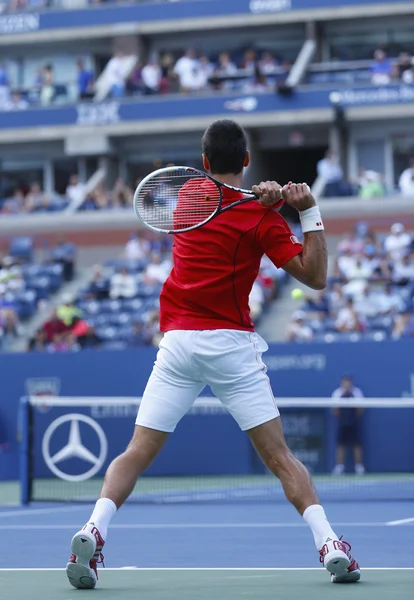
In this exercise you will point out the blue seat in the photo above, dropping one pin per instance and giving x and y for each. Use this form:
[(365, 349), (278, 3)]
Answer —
[(22, 247), (106, 333), (89, 307), (41, 285)]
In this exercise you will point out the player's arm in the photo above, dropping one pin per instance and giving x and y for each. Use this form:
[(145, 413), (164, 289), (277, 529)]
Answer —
[(311, 265)]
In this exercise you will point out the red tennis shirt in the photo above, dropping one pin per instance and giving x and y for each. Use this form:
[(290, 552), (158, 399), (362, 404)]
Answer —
[(216, 265)]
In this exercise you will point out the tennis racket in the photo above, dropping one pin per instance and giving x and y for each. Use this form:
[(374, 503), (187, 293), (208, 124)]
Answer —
[(179, 199)]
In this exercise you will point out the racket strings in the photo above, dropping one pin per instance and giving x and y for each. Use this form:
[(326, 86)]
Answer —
[(177, 200)]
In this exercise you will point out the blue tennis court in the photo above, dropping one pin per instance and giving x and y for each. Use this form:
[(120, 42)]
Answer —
[(209, 536)]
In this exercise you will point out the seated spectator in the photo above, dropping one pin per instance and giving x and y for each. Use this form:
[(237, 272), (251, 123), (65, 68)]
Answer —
[(357, 277), (64, 253), (403, 326), (137, 247), (67, 311), (366, 303), (330, 171), (36, 199), (121, 195), (297, 330), (406, 181), (16, 102), (138, 336), (403, 270), (38, 342), (350, 244), (404, 70), (47, 90), (15, 204), (63, 343), (99, 286), (371, 186), (85, 80), (122, 285), (205, 71), (318, 303), (388, 302), (381, 68), (249, 61), (348, 318), (75, 188), (397, 242), (115, 75), (225, 68), (9, 328), (151, 76), (11, 279), (167, 72), (88, 339), (186, 70), (268, 64), (158, 270), (54, 326), (337, 299)]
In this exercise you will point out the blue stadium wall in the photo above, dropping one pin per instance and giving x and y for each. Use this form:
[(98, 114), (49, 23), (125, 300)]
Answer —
[(380, 369)]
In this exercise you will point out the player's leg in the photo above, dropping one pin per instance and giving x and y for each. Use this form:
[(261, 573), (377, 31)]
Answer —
[(232, 365), (171, 390)]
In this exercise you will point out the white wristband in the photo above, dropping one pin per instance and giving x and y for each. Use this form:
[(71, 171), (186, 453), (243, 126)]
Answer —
[(311, 220)]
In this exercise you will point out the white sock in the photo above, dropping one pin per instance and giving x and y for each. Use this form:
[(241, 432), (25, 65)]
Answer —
[(102, 515), (316, 519)]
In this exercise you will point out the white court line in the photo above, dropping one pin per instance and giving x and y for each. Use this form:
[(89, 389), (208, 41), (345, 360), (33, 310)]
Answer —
[(401, 522), (163, 526), (276, 569), (42, 511)]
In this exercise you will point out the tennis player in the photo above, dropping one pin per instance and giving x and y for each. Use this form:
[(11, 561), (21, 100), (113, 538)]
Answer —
[(210, 340)]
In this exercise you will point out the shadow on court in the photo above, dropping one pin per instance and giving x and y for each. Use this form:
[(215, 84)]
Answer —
[(210, 584)]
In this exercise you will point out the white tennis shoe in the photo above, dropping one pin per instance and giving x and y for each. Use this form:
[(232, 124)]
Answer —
[(335, 555), (86, 549)]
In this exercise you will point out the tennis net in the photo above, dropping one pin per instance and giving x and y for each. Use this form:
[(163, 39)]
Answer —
[(67, 444)]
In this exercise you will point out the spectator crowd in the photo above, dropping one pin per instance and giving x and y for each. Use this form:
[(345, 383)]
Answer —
[(370, 291)]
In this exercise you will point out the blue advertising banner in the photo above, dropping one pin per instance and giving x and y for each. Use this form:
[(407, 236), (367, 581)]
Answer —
[(141, 13), (140, 110), (383, 369)]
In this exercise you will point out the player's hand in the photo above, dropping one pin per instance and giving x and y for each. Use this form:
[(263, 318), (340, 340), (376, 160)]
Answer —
[(269, 192), (298, 195)]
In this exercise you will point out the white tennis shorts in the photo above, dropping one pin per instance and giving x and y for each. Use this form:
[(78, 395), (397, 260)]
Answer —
[(227, 360)]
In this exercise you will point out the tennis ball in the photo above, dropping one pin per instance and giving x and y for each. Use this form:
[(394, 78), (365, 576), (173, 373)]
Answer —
[(297, 294)]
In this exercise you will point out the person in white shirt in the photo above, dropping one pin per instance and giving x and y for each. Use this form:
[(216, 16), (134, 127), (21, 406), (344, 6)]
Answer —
[(136, 248), (115, 73), (366, 303), (397, 242), (151, 76), (297, 330), (330, 171), (158, 270), (357, 276), (186, 69), (349, 427), (122, 285), (75, 188), (389, 302), (403, 270), (348, 318), (406, 181)]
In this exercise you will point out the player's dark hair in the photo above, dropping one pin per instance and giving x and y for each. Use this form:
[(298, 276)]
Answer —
[(225, 145)]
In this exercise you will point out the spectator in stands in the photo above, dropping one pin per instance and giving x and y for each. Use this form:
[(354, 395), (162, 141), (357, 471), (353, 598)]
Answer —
[(357, 276), (137, 247), (318, 303), (337, 300), (381, 68), (403, 270), (63, 343), (75, 188), (88, 337), (397, 242), (268, 64), (16, 102), (350, 244), (297, 330), (99, 286), (134, 83), (64, 253), (366, 303), (388, 302), (157, 270), (138, 336), (67, 311), (54, 326), (406, 181), (249, 61), (330, 171), (36, 200), (205, 71), (167, 72), (121, 195), (186, 69), (122, 285), (348, 318), (349, 433), (404, 70), (4, 88), (85, 80), (115, 75), (371, 185), (15, 204), (225, 68), (47, 90), (403, 326), (38, 342), (151, 76)]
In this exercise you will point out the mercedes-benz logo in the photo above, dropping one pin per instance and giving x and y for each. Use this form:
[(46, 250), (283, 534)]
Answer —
[(74, 448)]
